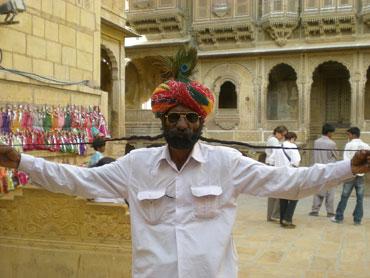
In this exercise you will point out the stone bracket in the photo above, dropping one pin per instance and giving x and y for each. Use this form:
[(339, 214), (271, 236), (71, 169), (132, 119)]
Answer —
[(280, 29)]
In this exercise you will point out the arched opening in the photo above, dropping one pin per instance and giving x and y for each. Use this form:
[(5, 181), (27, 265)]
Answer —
[(106, 83), (132, 83), (330, 95), (282, 93), (367, 96), (228, 96)]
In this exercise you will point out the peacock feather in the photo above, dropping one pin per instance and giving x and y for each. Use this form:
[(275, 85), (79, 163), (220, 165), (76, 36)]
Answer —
[(180, 67)]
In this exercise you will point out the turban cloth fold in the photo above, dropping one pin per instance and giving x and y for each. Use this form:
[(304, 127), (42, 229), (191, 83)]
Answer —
[(191, 94)]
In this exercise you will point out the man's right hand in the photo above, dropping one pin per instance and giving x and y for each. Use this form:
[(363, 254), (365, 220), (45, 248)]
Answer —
[(9, 157)]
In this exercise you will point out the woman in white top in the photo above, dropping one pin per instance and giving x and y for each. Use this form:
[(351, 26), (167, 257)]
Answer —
[(287, 157)]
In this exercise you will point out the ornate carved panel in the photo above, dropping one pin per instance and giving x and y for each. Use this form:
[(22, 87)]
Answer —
[(39, 214), (222, 22), (44, 234), (279, 19), (329, 25), (158, 22), (366, 11), (156, 17), (227, 119), (329, 17), (221, 8), (215, 34)]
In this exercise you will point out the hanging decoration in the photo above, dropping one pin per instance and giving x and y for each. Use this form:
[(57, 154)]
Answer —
[(29, 127), (54, 128)]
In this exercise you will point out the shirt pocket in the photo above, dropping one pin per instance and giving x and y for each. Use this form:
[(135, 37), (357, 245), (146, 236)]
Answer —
[(207, 200), (152, 204)]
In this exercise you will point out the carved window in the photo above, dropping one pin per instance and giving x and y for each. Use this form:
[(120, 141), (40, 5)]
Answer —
[(277, 6), (242, 7), (166, 3), (292, 6), (228, 96), (266, 7), (365, 5), (282, 95), (345, 4), (311, 4), (202, 9), (328, 4), (142, 4)]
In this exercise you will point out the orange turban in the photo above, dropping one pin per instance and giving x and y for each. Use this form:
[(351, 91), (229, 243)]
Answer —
[(191, 94)]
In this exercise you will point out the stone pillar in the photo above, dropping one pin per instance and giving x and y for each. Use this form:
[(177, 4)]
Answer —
[(121, 96)]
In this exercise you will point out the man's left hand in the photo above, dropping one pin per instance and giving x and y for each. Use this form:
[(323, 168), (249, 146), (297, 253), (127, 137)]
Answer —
[(360, 163)]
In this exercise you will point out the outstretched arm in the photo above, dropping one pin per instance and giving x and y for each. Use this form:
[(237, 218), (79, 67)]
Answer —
[(293, 183), (109, 181)]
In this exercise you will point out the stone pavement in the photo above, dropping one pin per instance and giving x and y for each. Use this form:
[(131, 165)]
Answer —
[(317, 248)]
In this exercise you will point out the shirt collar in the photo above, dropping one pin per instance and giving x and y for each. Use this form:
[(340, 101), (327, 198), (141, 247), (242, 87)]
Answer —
[(198, 154)]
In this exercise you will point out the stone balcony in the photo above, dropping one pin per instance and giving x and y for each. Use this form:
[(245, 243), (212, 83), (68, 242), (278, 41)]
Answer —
[(158, 24)]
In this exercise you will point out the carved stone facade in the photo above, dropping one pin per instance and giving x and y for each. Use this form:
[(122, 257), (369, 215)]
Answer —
[(44, 234), (299, 63)]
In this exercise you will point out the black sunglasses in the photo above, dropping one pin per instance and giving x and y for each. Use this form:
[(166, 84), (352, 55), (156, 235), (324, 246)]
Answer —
[(174, 117)]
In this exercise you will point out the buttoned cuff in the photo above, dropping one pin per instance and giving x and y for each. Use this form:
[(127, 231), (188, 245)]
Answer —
[(26, 163)]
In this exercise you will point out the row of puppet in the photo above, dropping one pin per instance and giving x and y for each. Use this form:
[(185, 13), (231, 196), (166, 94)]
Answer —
[(49, 118), (54, 141), (54, 128)]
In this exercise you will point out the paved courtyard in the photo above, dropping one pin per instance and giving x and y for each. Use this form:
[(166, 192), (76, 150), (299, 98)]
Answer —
[(317, 248)]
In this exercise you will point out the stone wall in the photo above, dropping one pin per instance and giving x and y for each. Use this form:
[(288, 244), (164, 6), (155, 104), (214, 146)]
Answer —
[(45, 234)]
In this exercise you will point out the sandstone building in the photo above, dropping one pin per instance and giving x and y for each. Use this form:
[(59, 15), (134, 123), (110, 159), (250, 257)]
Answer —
[(269, 62)]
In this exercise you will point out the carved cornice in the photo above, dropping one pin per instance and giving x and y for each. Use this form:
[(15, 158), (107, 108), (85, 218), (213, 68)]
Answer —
[(315, 25), (227, 32), (157, 22)]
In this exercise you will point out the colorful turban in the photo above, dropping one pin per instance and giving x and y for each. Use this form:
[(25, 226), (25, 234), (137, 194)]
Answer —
[(191, 94)]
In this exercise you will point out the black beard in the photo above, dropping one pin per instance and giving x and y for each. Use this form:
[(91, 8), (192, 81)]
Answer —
[(182, 140)]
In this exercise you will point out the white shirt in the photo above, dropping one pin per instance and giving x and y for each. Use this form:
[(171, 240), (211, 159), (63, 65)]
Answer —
[(281, 159), (354, 144), (182, 220), (271, 141)]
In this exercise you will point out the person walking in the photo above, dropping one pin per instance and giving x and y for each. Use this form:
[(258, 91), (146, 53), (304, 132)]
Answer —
[(324, 157), (357, 182), (275, 140), (287, 156)]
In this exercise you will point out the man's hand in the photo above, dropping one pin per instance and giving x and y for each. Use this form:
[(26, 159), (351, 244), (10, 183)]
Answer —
[(9, 157), (360, 163)]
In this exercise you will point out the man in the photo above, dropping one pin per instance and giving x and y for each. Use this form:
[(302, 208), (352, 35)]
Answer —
[(276, 139), (324, 157), (183, 195), (357, 182), (99, 147)]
